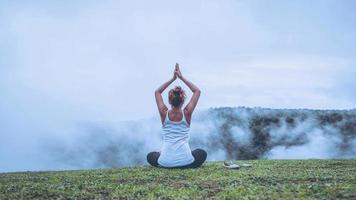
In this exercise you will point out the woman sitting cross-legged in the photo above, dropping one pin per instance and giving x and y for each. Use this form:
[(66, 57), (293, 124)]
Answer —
[(175, 152)]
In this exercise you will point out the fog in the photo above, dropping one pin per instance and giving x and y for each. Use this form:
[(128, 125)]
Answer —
[(225, 133)]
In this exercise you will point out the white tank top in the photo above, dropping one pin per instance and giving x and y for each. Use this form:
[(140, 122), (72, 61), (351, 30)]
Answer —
[(175, 150)]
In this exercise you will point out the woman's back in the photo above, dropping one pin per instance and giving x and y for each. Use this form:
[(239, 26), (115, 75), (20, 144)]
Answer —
[(175, 150)]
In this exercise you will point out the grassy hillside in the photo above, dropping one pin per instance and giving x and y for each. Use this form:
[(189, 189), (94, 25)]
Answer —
[(267, 179)]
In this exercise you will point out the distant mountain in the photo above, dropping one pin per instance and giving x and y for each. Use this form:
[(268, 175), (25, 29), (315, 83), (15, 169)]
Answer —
[(253, 133), (225, 133)]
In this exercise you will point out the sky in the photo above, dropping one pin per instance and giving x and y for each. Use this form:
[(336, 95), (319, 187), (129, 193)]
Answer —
[(65, 62)]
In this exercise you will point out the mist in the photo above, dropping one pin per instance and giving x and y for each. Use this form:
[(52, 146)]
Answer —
[(225, 133)]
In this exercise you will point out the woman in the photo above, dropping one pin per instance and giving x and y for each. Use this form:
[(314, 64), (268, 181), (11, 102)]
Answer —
[(176, 152)]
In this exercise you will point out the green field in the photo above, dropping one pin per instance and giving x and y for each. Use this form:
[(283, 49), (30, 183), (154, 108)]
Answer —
[(267, 179)]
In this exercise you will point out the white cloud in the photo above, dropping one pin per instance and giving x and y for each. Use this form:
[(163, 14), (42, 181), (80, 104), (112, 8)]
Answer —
[(107, 58)]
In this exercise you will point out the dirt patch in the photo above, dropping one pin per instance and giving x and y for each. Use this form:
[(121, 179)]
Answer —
[(209, 188), (180, 184)]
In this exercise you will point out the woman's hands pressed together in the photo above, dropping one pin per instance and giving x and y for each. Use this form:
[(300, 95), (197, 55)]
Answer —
[(174, 74), (177, 72)]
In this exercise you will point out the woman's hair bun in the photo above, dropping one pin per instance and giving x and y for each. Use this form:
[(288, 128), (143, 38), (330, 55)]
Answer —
[(177, 90), (176, 96)]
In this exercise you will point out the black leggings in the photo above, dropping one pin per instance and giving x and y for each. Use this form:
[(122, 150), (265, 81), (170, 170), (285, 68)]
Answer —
[(198, 154)]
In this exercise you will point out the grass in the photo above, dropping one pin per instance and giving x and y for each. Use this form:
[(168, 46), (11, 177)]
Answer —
[(267, 179)]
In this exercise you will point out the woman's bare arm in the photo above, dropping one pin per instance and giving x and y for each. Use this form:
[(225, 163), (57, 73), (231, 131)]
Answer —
[(162, 108), (189, 108), (196, 94)]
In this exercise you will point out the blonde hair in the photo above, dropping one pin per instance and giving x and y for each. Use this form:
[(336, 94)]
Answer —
[(176, 96)]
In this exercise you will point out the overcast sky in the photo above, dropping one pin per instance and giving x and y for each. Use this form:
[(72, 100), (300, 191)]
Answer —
[(63, 62), (102, 60)]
